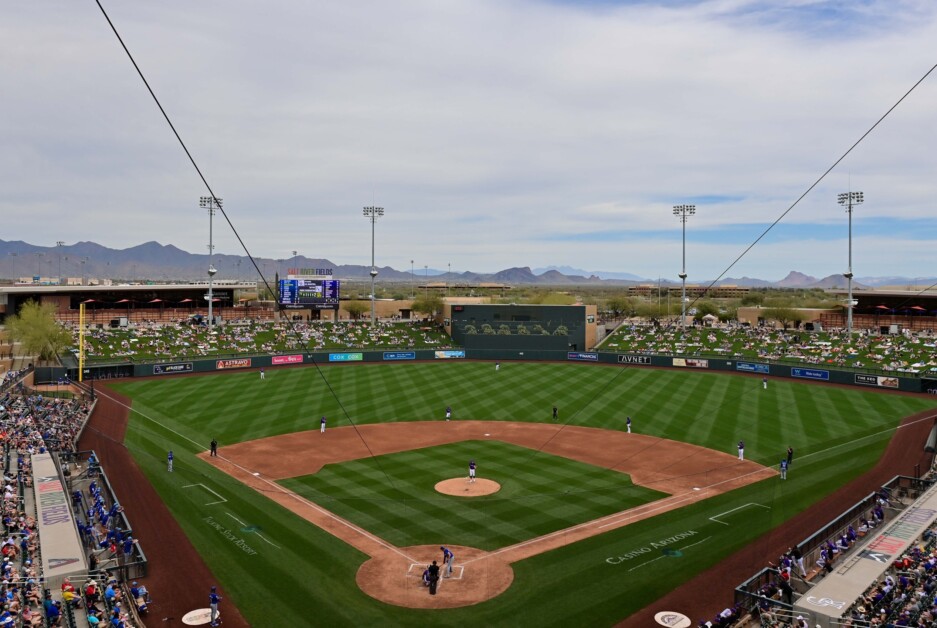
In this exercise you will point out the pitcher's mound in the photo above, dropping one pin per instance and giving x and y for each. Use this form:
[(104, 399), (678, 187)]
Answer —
[(461, 487)]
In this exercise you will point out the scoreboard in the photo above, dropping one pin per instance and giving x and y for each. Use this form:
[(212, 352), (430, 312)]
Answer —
[(316, 294)]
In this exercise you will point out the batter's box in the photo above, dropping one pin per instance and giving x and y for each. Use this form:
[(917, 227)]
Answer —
[(457, 571)]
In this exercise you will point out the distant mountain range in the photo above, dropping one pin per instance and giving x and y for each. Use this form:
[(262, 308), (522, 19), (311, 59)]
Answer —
[(159, 262)]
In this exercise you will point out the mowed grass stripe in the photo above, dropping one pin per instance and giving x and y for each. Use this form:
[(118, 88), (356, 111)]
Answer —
[(541, 494), (235, 406)]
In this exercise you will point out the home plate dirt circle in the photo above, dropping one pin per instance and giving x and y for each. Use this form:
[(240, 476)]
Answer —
[(461, 487), (397, 577)]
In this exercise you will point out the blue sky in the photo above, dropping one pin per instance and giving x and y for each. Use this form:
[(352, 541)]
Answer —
[(495, 134)]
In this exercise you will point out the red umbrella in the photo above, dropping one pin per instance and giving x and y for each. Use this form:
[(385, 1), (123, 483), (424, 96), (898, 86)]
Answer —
[(155, 301), (918, 308), (123, 301), (89, 301), (185, 301), (882, 307)]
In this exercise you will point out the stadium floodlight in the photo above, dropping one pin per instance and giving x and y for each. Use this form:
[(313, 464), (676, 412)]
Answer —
[(210, 203), (849, 199), (682, 212), (373, 213)]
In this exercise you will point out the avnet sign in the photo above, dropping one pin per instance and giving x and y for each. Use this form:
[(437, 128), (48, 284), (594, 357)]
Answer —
[(644, 360)]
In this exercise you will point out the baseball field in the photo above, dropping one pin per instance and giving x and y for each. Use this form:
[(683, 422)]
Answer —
[(589, 524)]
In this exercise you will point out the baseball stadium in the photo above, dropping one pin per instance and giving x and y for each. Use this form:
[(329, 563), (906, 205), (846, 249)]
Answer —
[(187, 444)]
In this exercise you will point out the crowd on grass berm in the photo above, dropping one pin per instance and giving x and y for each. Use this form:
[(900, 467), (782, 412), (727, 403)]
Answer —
[(33, 424), (908, 351), (152, 340), (905, 595)]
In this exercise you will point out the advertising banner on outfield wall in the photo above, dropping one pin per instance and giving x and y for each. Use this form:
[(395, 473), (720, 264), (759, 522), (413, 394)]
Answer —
[(752, 367), (877, 380), (400, 355), (175, 367), (634, 359), (582, 356), (446, 355), (346, 357), (286, 359), (810, 374), (693, 363), (238, 363)]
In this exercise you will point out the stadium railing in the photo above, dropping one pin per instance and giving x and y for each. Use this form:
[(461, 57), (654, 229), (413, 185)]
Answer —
[(903, 489)]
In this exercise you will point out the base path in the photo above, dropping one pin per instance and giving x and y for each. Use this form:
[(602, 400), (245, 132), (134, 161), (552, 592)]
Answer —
[(687, 472)]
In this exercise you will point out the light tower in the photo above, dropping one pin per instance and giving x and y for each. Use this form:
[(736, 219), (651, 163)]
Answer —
[(373, 213), (849, 199), (210, 203), (682, 212), (58, 246)]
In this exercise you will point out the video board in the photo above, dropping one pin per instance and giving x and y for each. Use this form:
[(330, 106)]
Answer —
[(317, 294)]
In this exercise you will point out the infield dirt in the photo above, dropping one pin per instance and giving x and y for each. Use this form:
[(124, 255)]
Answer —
[(688, 473)]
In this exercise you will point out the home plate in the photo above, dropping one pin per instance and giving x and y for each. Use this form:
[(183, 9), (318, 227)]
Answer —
[(487, 434)]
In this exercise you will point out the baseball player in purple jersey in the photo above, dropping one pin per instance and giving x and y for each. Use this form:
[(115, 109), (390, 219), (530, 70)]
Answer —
[(471, 470)]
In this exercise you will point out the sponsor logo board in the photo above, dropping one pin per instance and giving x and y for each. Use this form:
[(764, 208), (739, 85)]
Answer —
[(448, 355), (693, 363), (634, 359), (877, 380), (400, 355), (175, 367), (810, 374), (582, 356), (346, 357), (287, 359), (238, 363), (752, 367)]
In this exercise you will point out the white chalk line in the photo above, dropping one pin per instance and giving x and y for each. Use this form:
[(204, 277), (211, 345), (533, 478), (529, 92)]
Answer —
[(715, 517), (276, 486), (665, 556), (220, 498), (235, 518), (254, 531)]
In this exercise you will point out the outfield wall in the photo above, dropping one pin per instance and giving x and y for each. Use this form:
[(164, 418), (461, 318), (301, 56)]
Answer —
[(803, 372)]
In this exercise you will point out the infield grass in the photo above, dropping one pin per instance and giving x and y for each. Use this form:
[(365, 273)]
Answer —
[(837, 433), (393, 495)]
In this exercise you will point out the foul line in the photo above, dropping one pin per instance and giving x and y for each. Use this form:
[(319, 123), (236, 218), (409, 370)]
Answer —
[(665, 556), (222, 499), (715, 518)]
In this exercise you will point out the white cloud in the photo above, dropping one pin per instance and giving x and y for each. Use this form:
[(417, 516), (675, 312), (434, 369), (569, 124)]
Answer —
[(489, 131)]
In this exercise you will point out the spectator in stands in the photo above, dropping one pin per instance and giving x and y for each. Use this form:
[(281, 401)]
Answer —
[(54, 613), (31, 618), (92, 594)]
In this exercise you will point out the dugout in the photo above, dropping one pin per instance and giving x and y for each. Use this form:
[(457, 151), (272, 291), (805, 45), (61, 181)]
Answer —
[(512, 327)]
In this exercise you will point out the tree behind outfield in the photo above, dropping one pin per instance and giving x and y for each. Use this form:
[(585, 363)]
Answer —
[(430, 305), (356, 308), (37, 331)]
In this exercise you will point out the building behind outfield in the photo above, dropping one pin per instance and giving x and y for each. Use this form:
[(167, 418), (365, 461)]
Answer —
[(510, 328)]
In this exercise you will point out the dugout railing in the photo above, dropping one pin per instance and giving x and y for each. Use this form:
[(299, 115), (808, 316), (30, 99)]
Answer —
[(902, 490), (78, 478)]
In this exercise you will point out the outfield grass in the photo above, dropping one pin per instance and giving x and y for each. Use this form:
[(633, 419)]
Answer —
[(837, 433), (393, 495)]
